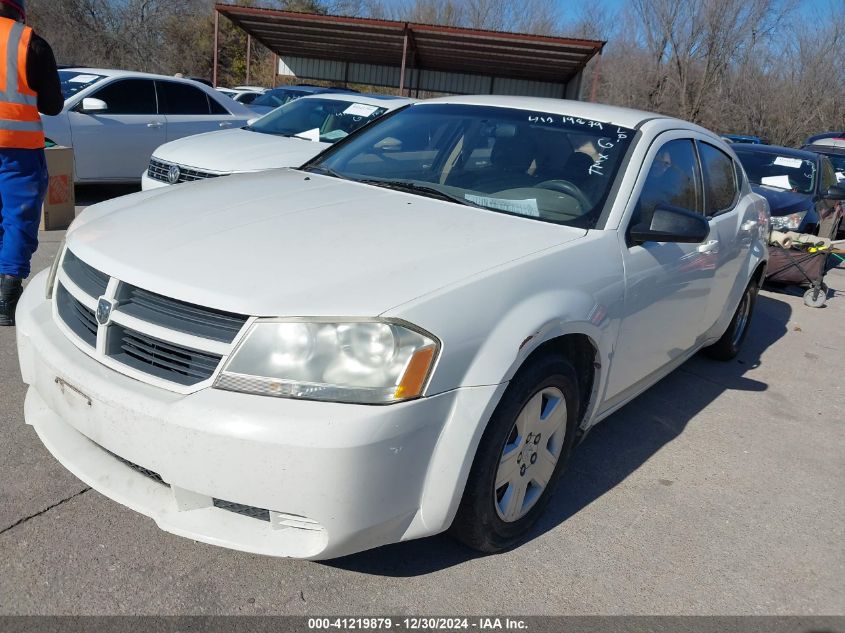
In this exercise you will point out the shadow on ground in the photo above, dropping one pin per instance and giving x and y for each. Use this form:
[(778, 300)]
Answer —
[(617, 447)]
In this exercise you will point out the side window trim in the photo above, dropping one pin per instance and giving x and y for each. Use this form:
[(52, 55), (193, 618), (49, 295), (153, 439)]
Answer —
[(737, 189)]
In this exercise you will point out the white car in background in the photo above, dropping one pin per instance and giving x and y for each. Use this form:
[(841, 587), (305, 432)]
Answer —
[(114, 119), (286, 137), (409, 334), (244, 95)]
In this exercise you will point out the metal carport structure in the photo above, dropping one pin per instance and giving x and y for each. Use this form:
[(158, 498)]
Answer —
[(415, 57)]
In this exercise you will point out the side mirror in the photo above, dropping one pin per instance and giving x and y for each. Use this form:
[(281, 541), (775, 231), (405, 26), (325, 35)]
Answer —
[(670, 224), (836, 192), (91, 105)]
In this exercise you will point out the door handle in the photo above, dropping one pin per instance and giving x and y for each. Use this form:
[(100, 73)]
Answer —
[(155, 124), (709, 247), (225, 124)]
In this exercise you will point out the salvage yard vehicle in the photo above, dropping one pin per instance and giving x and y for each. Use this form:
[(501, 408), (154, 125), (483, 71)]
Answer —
[(834, 149), (277, 97), (800, 186), (407, 335), (286, 137), (114, 119)]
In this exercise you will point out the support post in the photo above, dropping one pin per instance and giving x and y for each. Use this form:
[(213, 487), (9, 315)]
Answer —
[(404, 61), (248, 56), (596, 77), (275, 68), (216, 41)]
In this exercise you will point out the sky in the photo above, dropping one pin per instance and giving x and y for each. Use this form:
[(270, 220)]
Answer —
[(806, 7)]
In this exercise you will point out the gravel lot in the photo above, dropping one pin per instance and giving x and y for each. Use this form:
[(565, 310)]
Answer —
[(718, 491)]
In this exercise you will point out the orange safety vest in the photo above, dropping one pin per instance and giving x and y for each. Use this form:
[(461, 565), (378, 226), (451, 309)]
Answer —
[(20, 123)]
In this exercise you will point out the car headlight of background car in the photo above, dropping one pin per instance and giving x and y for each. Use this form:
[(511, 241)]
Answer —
[(338, 360), (791, 221)]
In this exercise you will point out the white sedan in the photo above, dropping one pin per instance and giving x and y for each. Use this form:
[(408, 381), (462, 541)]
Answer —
[(286, 137), (114, 119), (406, 336)]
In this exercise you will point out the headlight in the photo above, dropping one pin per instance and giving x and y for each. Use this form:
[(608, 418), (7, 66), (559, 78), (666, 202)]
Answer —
[(54, 270), (356, 361), (791, 221)]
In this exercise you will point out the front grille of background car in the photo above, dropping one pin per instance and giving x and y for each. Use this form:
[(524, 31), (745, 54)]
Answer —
[(147, 334), (160, 170)]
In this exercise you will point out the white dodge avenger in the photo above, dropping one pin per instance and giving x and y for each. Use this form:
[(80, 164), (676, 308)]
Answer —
[(407, 335)]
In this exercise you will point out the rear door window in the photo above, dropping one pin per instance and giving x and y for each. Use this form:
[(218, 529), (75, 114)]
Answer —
[(720, 187), (179, 98), (128, 96)]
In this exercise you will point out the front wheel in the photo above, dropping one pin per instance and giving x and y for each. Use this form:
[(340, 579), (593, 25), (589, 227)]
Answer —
[(520, 457), (729, 345)]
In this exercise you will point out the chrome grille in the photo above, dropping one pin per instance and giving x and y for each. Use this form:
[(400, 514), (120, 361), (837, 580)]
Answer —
[(145, 334), (160, 170), (153, 356)]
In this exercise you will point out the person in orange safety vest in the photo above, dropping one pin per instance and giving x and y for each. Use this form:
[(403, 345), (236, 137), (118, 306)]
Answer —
[(29, 84)]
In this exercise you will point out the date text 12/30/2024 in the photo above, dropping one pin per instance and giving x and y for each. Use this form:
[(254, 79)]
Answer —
[(417, 624)]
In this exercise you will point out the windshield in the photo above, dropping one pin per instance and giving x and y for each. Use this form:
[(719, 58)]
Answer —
[(75, 81), (783, 172), (323, 120), (520, 162), (278, 97)]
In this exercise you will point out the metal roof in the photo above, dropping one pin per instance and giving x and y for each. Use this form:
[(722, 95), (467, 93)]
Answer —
[(423, 47)]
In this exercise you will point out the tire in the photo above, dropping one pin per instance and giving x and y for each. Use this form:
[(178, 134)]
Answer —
[(489, 519), (727, 347)]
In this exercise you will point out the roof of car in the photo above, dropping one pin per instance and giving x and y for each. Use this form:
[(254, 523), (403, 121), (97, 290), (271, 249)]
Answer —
[(383, 101), (826, 144), (111, 72), (751, 148), (624, 117), (308, 89)]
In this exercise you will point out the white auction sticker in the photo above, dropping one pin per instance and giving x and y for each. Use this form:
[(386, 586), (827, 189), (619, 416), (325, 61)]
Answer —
[(82, 79), (522, 207), (783, 161), (360, 109)]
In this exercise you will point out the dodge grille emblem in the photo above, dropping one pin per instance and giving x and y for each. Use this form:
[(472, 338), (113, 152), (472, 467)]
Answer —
[(173, 174), (104, 308)]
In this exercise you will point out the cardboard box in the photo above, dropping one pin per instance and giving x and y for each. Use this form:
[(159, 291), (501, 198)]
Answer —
[(59, 208)]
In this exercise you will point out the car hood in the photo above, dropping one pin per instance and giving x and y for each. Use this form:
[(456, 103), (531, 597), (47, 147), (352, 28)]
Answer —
[(288, 243), (238, 151), (781, 201)]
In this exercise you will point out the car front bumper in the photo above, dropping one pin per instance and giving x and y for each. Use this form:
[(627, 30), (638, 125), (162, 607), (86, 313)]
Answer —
[(331, 478), (148, 183)]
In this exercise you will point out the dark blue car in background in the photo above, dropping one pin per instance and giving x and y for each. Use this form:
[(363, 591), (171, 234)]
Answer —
[(800, 186)]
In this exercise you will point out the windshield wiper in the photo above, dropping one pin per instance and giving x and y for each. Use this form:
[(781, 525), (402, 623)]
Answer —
[(326, 171), (413, 187)]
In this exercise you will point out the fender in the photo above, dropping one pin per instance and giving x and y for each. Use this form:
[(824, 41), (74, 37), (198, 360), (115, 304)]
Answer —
[(511, 330)]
